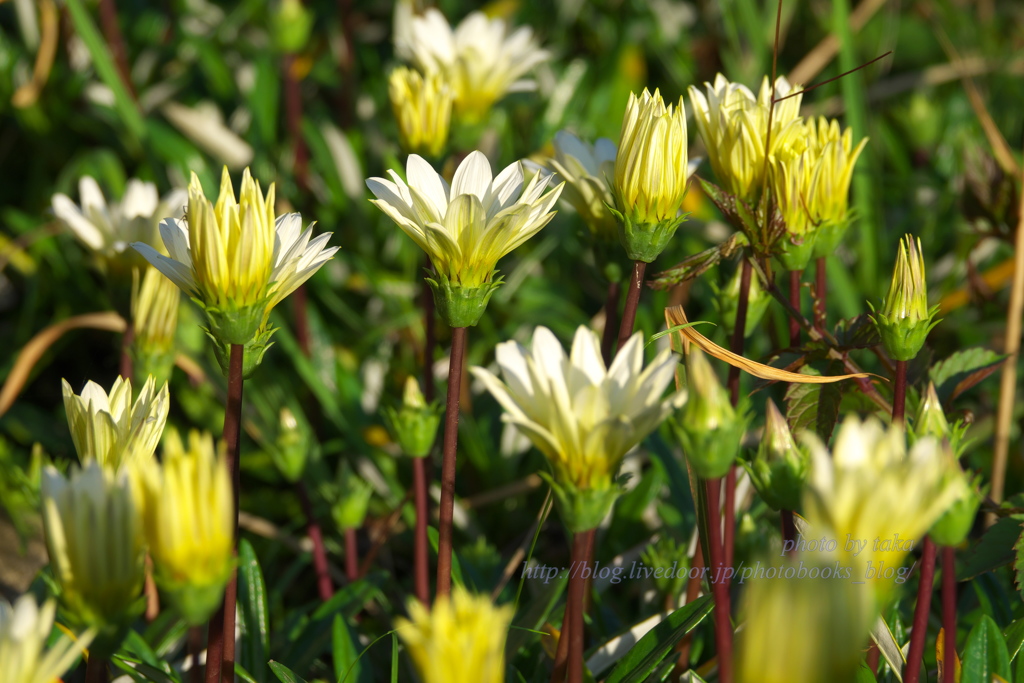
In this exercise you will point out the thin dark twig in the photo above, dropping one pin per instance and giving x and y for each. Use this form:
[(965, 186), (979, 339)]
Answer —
[(829, 80)]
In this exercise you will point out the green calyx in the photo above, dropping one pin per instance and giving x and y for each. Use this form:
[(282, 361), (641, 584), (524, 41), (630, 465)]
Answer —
[(828, 237), (583, 509), (159, 364), (196, 603), (796, 255), (779, 480), (461, 306), (956, 522), (903, 338), (414, 429), (252, 357), (233, 325), (645, 241)]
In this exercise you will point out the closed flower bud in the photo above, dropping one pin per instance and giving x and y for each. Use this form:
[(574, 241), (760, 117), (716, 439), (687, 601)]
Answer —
[(651, 175), (931, 421), (291, 448), (353, 499), (24, 631), (423, 108), (189, 520), (413, 425), (95, 542), (905, 320), (291, 26), (955, 523), (462, 638), (708, 427), (154, 319), (780, 467)]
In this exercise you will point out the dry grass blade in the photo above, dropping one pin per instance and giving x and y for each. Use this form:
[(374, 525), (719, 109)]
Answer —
[(674, 315), (37, 346)]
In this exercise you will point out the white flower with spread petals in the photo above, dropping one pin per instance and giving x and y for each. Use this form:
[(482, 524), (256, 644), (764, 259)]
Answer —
[(480, 58), (465, 228), (24, 630), (583, 416), (108, 229), (587, 171)]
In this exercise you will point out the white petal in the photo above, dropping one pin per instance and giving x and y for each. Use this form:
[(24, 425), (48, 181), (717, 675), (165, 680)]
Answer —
[(428, 182), (177, 272), (472, 177), (67, 211), (174, 234), (140, 200)]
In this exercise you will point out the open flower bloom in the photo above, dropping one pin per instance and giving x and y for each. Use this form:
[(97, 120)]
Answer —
[(467, 227), (587, 171), (582, 416), (423, 109), (108, 229), (871, 490), (461, 639), (24, 630), (95, 542), (111, 429), (189, 522), (236, 258), (480, 59), (734, 127)]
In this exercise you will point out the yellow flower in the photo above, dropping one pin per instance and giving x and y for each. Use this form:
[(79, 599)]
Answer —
[(95, 542), (480, 59), (587, 171), (235, 258), (108, 229), (155, 306), (109, 428), (189, 522), (582, 416), (651, 169), (423, 109), (24, 630), (461, 639), (734, 127), (872, 491), (835, 156), (828, 618)]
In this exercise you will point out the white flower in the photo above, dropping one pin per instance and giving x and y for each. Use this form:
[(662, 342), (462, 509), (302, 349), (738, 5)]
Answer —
[(582, 416), (467, 227), (24, 630), (109, 428), (587, 171), (108, 230), (479, 58)]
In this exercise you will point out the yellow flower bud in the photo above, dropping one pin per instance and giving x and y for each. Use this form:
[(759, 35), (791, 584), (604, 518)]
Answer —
[(461, 639), (905, 319), (155, 319), (423, 109)]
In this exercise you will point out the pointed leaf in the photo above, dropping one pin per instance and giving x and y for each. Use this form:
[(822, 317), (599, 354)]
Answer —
[(995, 549), (962, 370), (985, 654), (252, 602), (814, 407), (284, 674), (347, 668)]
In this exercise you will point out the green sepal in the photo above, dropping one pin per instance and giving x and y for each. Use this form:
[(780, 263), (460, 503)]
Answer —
[(583, 509), (462, 306), (956, 522), (828, 237), (414, 429), (234, 325), (778, 480), (159, 364), (196, 603), (795, 255), (710, 452), (903, 338), (252, 357), (645, 241), (110, 630)]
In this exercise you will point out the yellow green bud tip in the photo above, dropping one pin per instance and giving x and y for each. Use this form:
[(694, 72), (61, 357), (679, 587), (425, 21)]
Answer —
[(412, 397)]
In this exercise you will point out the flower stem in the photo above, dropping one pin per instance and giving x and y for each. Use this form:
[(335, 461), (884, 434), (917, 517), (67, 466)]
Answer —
[(451, 441), (351, 555), (821, 287), (736, 346), (899, 395), (114, 38), (430, 339), (794, 301), (150, 591), (720, 591), (195, 646), (636, 283), (582, 552), (788, 531), (611, 311), (293, 119), (301, 320), (949, 612), (323, 577), (125, 366), (912, 673), (421, 561), (96, 670), (220, 648)]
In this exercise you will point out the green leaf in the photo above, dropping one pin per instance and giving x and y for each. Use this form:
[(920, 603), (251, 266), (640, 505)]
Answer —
[(252, 602), (962, 370), (346, 657), (985, 654), (814, 407), (394, 658), (644, 657), (284, 674), (142, 672), (243, 674), (995, 549), (864, 675), (1014, 636)]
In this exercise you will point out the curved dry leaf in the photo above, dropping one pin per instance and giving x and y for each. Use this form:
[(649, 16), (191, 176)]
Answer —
[(674, 315), (36, 347)]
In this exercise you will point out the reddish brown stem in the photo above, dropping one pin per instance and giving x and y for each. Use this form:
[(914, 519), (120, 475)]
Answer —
[(430, 340), (821, 287), (561, 664), (299, 308), (912, 672), (293, 119), (729, 517), (421, 560), (611, 312), (323, 576), (351, 555), (719, 589), (636, 283), (899, 395), (112, 34), (874, 654), (794, 300), (96, 670), (149, 590), (220, 648), (451, 441), (195, 646), (788, 532), (582, 552), (125, 367), (949, 611)]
